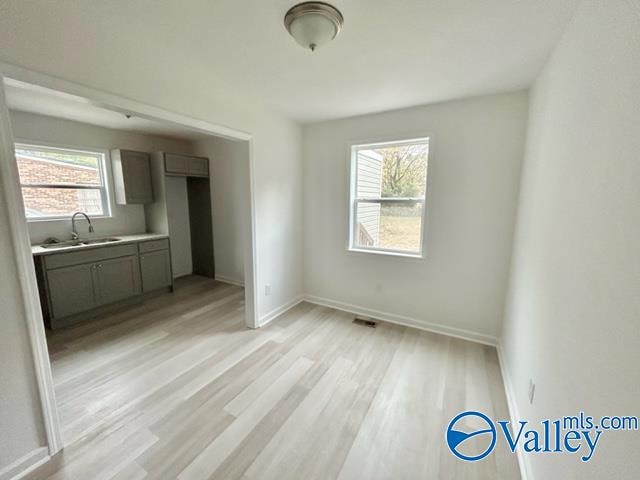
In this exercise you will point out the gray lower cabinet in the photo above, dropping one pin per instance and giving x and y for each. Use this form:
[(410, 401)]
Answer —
[(78, 284), (79, 288), (71, 290), (117, 279), (156, 270)]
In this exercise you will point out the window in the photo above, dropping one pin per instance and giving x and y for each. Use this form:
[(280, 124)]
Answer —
[(388, 193), (57, 182)]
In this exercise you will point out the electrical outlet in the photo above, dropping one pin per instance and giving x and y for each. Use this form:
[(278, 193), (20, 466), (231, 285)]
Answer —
[(532, 390), (267, 290)]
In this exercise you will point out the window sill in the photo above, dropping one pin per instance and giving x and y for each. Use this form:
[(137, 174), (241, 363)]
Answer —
[(388, 253), (65, 218)]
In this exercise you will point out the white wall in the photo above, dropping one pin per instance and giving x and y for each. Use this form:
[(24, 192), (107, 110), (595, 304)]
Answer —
[(21, 426), (277, 177), (58, 132), (573, 316), (474, 168), (229, 167)]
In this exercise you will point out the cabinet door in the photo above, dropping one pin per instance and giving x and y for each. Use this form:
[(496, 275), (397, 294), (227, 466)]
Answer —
[(118, 279), (71, 290), (156, 270), (176, 164), (198, 166), (136, 172)]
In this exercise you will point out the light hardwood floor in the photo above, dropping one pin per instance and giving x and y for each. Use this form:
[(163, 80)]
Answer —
[(179, 388)]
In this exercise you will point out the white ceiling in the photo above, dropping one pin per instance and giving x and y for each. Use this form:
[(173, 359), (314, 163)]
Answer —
[(390, 54), (34, 99)]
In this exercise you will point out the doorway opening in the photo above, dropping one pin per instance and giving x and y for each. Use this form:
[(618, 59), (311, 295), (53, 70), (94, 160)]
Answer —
[(195, 231)]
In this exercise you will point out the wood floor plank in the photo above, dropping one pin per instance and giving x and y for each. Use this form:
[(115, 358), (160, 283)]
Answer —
[(238, 461), (283, 453), (400, 429), (178, 387), (216, 452), (132, 471)]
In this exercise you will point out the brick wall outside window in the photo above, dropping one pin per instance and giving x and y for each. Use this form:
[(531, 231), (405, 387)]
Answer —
[(58, 201)]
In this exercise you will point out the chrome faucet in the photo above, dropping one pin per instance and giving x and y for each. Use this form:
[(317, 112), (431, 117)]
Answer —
[(74, 232)]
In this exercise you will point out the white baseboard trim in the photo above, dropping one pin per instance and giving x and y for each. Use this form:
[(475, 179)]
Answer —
[(276, 312), (514, 413), (230, 280), (25, 465), (405, 321)]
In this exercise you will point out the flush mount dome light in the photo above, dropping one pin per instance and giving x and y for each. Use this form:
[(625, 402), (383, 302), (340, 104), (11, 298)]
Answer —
[(312, 24)]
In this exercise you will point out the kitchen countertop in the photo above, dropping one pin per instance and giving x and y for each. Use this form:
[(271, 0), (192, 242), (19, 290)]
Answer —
[(37, 250)]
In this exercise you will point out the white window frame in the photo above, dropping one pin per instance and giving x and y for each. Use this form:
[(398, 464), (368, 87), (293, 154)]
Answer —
[(353, 200), (102, 169)]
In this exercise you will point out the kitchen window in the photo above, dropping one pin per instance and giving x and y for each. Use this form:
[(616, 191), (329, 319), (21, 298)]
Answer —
[(388, 197), (56, 182)]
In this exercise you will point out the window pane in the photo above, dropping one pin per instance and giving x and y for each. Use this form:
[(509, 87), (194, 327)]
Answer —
[(394, 171), (404, 170), (56, 202), (367, 233), (369, 174), (64, 167), (401, 226), (389, 224), (393, 179)]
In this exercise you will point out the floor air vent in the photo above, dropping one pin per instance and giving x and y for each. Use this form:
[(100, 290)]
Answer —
[(364, 322)]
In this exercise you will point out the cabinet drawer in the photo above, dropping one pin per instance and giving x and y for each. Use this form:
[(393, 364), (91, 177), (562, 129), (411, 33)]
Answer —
[(152, 245), (58, 260)]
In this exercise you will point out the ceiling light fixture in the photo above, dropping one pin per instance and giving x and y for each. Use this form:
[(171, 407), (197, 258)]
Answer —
[(312, 24)]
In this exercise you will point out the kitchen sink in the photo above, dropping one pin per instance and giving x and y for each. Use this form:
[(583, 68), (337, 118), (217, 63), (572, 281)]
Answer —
[(79, 243), (62, 245), (99, 240)]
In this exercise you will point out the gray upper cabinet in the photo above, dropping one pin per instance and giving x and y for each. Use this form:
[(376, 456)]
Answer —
[(198, 167), (156, 270), (131, 177), (71, 290), (175, 164), (117, 279), (186, 165)]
